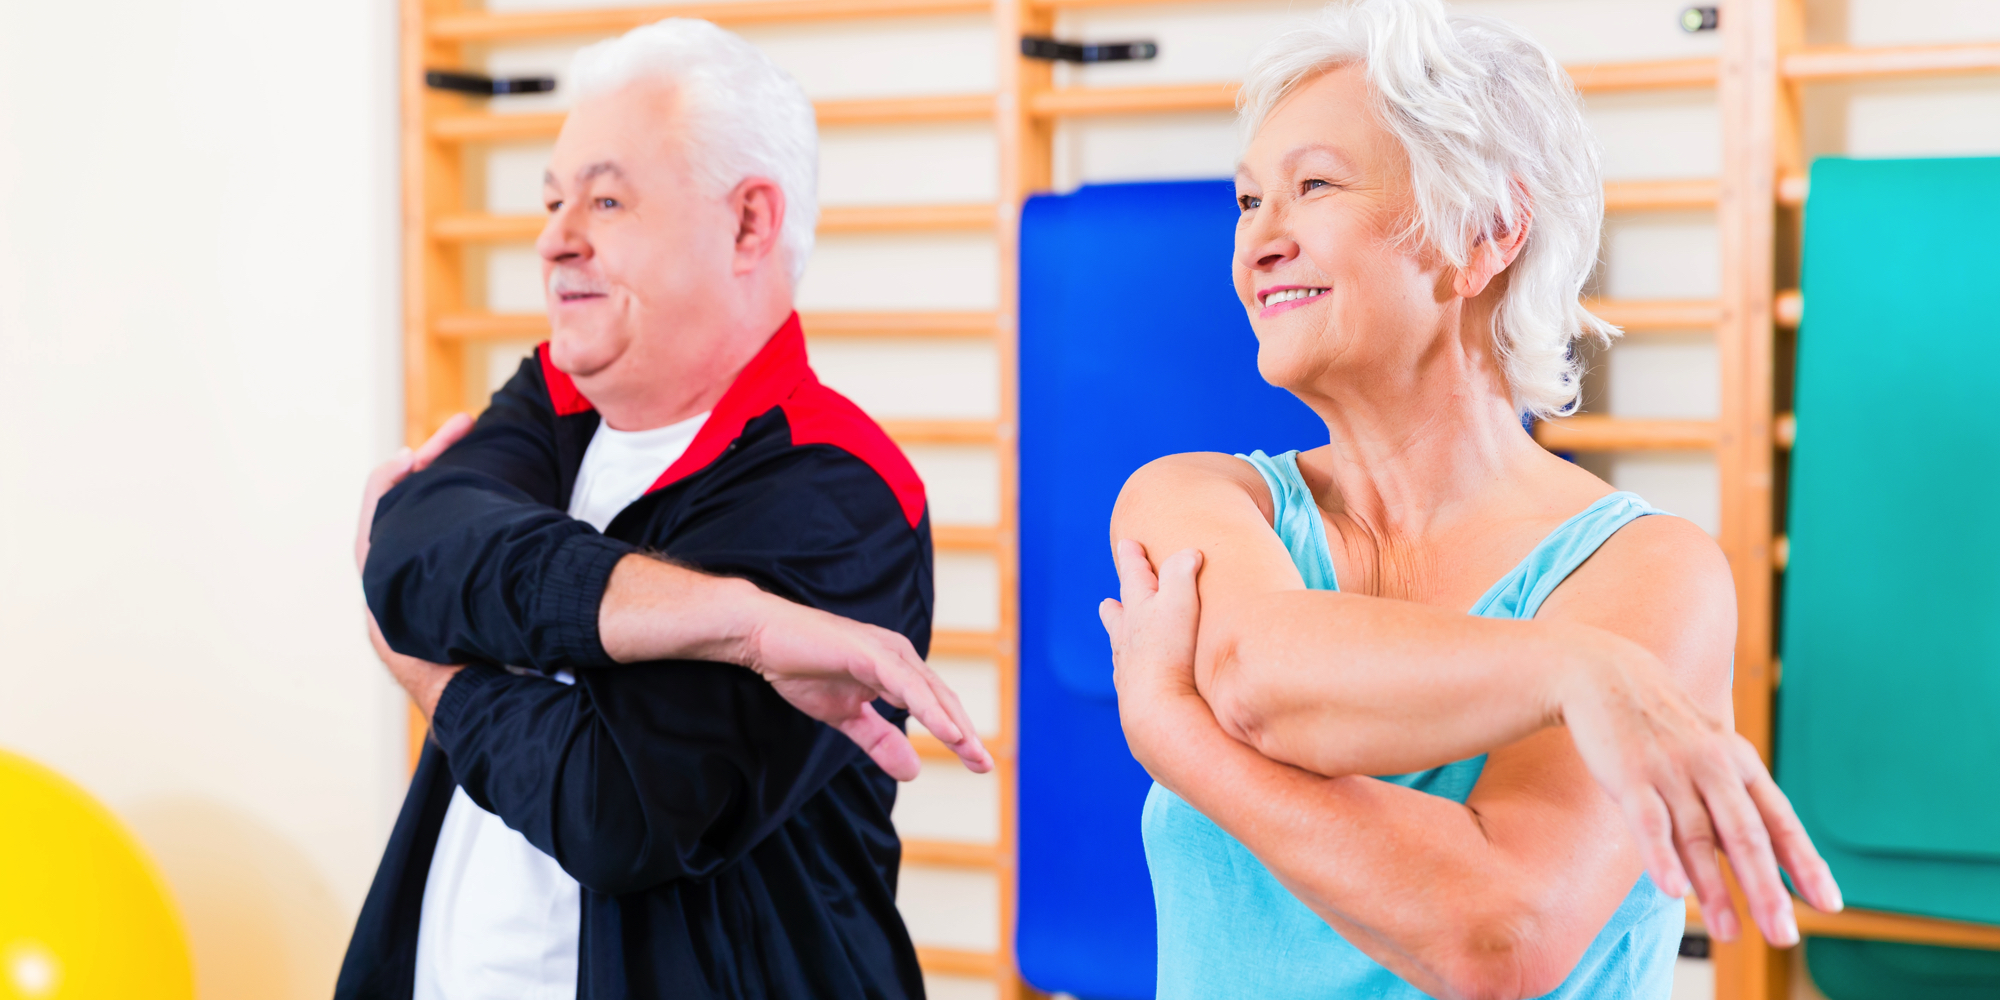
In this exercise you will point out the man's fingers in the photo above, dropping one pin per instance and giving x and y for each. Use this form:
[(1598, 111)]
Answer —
[(454, 429), (1136, 581), (885, 744)]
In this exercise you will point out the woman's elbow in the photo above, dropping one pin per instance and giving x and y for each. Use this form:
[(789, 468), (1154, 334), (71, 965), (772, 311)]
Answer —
[(1497, 960)]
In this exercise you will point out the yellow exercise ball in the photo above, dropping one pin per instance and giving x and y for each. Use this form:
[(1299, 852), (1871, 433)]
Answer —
[(83, 913)]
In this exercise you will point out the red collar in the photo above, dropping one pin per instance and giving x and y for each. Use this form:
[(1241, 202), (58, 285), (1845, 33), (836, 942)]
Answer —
[(777, 376)]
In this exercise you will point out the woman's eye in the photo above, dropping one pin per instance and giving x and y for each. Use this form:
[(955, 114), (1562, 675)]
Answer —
[(607, 203), (1248, 202), (554, 207), (1311, 184)]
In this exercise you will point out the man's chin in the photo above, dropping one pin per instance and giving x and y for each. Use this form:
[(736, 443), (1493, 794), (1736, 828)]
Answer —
[(581, 354)]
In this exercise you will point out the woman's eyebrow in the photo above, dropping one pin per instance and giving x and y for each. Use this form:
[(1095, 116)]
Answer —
[(1290, 160)]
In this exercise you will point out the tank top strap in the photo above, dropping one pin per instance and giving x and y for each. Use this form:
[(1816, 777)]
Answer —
[(1520, 593), (1295, 517)]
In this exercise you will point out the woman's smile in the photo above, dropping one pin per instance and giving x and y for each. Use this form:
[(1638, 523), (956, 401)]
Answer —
[(1284, 297)]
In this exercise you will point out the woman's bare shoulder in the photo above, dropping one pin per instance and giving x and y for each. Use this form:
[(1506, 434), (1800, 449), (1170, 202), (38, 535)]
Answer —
[(1194, 479)]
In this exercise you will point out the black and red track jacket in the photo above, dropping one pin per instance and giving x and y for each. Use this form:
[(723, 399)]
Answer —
[(728, 845)]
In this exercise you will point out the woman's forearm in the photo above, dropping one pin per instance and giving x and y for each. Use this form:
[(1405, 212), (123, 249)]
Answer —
[(1342, 684)]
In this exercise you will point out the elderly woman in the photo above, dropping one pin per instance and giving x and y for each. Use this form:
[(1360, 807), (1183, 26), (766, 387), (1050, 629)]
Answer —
[(1542, 664)]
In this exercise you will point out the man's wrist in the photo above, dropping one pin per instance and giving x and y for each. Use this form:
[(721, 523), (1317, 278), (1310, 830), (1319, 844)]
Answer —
[(655, 610)]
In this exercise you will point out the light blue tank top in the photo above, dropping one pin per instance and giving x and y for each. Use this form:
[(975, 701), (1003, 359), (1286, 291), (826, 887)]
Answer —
[(1230, 931)]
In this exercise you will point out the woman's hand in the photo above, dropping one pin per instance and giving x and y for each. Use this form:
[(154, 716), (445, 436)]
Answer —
[(1689, 786), (1152, 632)]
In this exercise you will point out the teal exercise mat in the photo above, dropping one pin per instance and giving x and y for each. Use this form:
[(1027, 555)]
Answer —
[(1889, 970), (1888, 731)]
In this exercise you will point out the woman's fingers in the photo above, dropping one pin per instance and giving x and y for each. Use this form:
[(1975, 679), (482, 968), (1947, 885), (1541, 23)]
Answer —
[(1794, 848), (1741, 831), (1136, 581), (1694, 839), (1654, 828)]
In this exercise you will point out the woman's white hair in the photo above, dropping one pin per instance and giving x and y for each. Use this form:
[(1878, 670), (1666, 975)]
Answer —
[(746, 117), (1494, 129)]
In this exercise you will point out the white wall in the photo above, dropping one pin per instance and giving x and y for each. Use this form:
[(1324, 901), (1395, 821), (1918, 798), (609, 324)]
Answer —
[(198, 311)]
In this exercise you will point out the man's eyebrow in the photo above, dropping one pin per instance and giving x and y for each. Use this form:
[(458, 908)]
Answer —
[(587, 174)]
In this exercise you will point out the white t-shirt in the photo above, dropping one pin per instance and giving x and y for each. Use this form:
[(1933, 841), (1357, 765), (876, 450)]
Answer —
[(500, 918)]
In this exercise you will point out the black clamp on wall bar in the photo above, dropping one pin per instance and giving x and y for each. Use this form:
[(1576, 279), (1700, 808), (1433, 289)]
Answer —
[(486, 86), (1035, 47)]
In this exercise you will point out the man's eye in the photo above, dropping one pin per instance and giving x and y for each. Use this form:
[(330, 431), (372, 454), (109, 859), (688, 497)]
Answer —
[(1311, 184), (1248, 202), (607, 202), (554, 207)]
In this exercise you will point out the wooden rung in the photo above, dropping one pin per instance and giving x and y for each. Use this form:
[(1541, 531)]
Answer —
[(965, 537), (905, 110), (960, 642), (1079, 101), (906, 218), (1668, 74), (1875, 925), (1661, 196), (950, 854), (491, 326), (1840, 62), (958, 961), (480, 26), (943, 431), (1785, 430), (870, 111), (1596, 433), (931, 748), (481, 227), (1657, 314), (943, 325), (1788, 308), (1781, 553)]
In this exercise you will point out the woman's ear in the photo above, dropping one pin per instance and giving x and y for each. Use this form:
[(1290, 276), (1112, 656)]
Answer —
[(1494, 255)]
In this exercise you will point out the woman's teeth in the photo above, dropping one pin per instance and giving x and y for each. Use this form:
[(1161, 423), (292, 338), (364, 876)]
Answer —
[(1292, 293)]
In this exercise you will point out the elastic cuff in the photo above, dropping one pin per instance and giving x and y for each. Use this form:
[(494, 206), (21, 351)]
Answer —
[(459, 691), (572, 594)]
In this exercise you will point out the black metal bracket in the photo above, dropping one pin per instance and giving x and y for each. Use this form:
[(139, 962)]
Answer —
[(1696, 19), (486, 86), (1035, 47)]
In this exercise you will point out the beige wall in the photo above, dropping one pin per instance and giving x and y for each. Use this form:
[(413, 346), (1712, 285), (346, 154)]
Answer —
[(198, 313), (198, 290)]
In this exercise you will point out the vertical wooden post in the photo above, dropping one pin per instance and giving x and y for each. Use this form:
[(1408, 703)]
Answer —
[(1749, 95), (433, 279), (1024, 148)]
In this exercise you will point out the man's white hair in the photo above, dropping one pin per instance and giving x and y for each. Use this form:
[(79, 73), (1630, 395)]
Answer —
[(746, 117), (1493, 127)]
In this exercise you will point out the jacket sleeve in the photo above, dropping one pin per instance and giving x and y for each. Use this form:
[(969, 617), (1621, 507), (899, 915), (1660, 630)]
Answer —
[(473, 560), (675, 770)]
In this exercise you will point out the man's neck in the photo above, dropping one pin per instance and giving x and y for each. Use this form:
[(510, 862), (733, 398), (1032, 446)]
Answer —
[(680, 376)]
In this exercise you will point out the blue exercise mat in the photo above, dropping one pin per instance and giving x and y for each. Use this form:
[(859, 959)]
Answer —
[(1133, 346)]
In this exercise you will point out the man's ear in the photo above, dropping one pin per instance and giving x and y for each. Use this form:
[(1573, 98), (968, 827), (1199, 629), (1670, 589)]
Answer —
[(758, 206), (1492, 256)]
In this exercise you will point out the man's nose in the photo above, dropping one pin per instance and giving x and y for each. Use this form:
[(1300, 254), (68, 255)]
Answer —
[(562, 237)]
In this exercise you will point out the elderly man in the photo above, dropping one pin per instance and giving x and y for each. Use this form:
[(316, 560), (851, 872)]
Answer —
[(664, 495)]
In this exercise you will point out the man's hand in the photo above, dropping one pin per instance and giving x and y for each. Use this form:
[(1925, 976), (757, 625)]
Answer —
[(423, 680), (832, 668)]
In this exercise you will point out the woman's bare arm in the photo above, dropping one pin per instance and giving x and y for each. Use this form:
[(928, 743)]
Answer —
[(1343, 685)]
